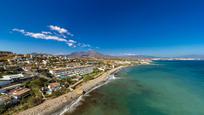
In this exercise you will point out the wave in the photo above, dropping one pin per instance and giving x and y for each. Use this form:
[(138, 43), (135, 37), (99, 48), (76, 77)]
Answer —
[(74, 104)]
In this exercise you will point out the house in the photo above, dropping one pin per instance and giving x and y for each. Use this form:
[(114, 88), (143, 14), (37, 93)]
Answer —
[(19, 93), (12, 77), (53, 87)]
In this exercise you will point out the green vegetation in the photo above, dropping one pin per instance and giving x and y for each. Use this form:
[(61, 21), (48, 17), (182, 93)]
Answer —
[(16, 70), (40, 82), (66, 82), (45, 72), (57, 93), (88, 77), (36, 94), (34, 65), (92, 75), (25, 103), (36, 97), (2, 108)]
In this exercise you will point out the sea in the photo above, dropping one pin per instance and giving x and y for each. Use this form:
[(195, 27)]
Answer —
[(161, 88)]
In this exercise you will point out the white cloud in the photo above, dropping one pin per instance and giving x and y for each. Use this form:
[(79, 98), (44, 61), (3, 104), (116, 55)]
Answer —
[(71, 43), (49, 35), (41, 35), (19, 30), (83, 45), (60, 30), (44, 32)]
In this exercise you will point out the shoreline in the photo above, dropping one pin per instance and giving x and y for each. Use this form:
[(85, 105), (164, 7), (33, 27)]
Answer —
[(75, 103), (67, 100)]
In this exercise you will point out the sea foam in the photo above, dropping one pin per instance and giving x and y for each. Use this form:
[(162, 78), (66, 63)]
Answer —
[(74, 104)]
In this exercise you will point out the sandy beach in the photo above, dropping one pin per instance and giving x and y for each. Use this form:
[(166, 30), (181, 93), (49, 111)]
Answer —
[(53, 105)]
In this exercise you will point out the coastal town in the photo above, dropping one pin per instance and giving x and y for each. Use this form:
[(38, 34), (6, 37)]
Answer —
[(29, 80)]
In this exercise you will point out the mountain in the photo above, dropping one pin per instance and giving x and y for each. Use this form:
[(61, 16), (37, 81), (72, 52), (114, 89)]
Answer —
[(39, 54), (94, 54), (88, 54)]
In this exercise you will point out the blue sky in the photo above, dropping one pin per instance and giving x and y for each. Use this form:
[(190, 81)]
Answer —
[(152, 27)]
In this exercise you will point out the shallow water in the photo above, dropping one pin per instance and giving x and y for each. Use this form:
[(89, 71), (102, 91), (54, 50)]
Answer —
[(165, 88)]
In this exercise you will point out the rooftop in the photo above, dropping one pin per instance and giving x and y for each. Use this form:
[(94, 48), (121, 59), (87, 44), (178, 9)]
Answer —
[(19, 91), (54, 85), (10, 77)]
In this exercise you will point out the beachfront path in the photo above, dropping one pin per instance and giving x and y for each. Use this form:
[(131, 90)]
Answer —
[(50, 106)]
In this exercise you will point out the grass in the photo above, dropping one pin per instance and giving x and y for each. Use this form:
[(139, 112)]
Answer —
[(92, 75)]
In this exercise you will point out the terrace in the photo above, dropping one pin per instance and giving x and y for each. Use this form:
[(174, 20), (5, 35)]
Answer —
[(19, 92)]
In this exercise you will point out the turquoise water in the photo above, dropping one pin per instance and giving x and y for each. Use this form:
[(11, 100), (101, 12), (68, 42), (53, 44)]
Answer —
[(164, 88)]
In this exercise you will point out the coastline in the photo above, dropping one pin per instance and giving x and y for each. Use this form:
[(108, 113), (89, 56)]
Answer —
[(55, 105)]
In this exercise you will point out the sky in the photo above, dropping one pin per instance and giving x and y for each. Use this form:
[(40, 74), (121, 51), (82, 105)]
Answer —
[(115, 27)]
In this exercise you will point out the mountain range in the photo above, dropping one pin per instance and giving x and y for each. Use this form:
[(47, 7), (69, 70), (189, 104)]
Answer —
[(88, 54)]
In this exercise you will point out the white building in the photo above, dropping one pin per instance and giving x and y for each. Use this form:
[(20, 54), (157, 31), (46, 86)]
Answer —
[(11, 77)]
